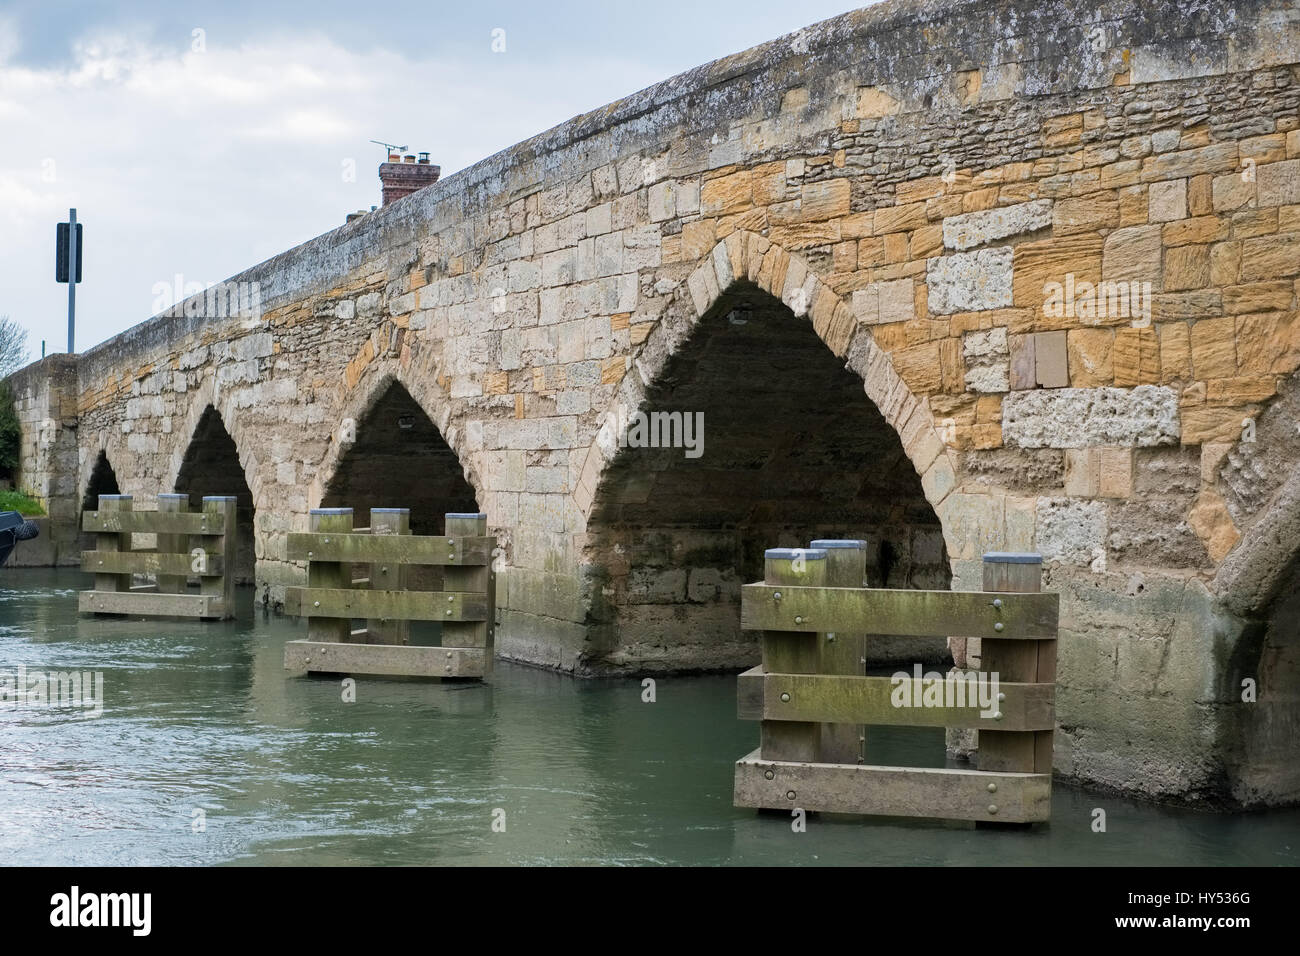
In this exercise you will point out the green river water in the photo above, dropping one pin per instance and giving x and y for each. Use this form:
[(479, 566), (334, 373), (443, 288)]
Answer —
[(200, 717)]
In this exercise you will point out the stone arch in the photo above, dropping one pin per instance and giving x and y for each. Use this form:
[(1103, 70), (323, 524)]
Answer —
[(779, 291), (372, 440), (101, 479), (748, 257), (209, 395), (1258, 583), (213, 458)]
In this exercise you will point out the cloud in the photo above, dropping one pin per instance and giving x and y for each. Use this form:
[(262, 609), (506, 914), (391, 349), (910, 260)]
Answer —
[(205, 162)]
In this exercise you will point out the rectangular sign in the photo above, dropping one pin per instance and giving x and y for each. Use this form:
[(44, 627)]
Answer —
[(61, 253)]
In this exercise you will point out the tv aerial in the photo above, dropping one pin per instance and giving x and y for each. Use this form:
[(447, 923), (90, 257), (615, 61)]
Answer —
[(391, 147)]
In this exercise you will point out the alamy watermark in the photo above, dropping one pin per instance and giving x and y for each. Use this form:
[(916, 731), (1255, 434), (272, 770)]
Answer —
[(211, 300), (78, 689), (1101, 300), (959, 689), (129, 910), (661, 430)]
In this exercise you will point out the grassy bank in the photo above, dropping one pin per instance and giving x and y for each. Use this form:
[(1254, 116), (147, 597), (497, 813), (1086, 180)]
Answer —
[(23, 504)]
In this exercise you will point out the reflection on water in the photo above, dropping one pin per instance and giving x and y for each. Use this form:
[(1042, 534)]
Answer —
[(200, 717)]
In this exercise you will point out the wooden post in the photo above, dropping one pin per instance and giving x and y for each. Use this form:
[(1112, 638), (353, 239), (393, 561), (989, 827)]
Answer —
[(843, 653), (786, 652), (329, 574), (113, 542), (388, 576), (173, 544), (470, 578), (223, 546), (1016, 661)]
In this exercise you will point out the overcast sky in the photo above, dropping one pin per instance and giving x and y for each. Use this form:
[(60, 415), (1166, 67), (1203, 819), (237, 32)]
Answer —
[(201, 154)]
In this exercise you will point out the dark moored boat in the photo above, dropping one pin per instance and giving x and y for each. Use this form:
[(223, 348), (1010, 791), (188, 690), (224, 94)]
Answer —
[(14, 528)]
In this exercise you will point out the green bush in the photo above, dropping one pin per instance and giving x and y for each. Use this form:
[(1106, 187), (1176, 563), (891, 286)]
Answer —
[(11, 434)]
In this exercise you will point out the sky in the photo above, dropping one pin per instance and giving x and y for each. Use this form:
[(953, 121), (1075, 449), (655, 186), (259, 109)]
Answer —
[(196, 140)]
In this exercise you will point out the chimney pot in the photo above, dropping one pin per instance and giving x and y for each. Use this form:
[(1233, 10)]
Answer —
[(410, 158), (424, 159)]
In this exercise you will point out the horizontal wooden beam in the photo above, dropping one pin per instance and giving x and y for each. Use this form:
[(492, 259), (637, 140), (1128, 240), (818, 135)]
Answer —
[(386, 605), (150, 562), (397, 548), (899, 612), (152, 604), (893, 791), (153, 522), (395, 660), (822, 698)]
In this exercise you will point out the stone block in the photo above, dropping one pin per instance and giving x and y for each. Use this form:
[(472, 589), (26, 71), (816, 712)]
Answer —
[(1213, 524), (1231, 192), (1090, 357), (1082, 466), (1200, 195), (1133, 253), (1225, 263), (1187, 267), (1268, 343), (1214, 348), (891, 219), (1085, 214), (1270, 257), (1167, 201), (1203, 424), (1136, 357), (727, 195), (1175, 351), (1051, 261), (1278, 184), (1079, 417), (1051, 361), (920, 367), (1070, 532), (873, 102), (827, 199), (1115, 472), (987, 360), (1023, 370), (1202, 229), (977, 228), (969, 282)]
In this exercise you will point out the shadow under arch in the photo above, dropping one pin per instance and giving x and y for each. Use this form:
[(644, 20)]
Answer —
[(102, 481), (394, 456), (793, 450), (211, 466)]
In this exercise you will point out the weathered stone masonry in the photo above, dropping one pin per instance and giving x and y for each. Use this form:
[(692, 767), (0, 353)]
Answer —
[(898, 187)]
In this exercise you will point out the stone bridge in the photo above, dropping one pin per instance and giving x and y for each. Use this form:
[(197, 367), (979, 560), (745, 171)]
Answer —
[(951, 277)]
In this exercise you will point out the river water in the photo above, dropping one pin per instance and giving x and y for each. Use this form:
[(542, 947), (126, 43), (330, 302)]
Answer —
[(205, 753)]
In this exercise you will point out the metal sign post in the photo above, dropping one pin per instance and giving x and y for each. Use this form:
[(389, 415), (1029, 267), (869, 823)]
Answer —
[(72, 279), (67, 267)]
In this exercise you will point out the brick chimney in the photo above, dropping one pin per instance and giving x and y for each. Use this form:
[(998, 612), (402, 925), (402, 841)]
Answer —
[(403, 175)]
